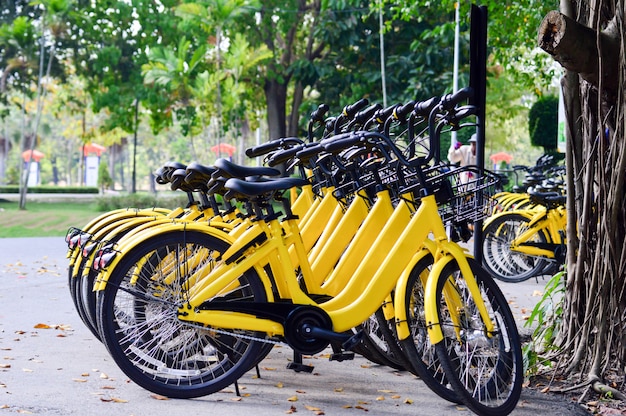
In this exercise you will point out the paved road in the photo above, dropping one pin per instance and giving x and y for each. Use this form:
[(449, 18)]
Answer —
[(51, 365)]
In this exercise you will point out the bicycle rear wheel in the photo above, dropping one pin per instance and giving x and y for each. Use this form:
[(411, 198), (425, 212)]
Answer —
[(486, 370), (138, 319), (500, 260)]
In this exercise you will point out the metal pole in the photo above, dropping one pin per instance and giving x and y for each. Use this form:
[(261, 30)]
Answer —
[(478, 81), (382, 53), (455, 67)]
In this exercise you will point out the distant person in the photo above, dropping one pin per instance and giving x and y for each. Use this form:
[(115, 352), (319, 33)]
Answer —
[(464, 155)]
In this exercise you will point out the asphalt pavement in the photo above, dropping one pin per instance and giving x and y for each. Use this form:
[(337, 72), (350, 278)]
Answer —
[(50, 364)]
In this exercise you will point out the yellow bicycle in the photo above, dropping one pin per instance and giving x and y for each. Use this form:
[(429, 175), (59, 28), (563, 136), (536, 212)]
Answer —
[(193, 328)]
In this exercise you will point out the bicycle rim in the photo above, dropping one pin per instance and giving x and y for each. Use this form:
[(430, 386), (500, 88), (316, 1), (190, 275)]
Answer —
[(498, 258), (137, 315)]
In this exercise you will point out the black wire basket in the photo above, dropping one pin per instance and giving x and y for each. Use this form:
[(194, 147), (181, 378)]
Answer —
[(465, 193)]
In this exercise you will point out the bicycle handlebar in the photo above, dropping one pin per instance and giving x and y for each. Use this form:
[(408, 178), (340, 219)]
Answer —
[(350, 110), (424, 108), (449, 101), (273, 145), (319, 113)]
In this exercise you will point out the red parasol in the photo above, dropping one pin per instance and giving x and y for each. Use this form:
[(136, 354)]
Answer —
[(37, 155), (229, 149), (500, 157)]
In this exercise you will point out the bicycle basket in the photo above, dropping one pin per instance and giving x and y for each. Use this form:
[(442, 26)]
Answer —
[(465, 193)]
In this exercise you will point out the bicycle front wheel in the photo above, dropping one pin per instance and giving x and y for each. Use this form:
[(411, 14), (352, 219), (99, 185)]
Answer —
[(138, 318), (485, 369), (417, 347), (500, 260)]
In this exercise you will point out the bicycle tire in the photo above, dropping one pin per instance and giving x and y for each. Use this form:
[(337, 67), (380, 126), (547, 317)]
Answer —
[(381, 345), (137, 317), (500, 260), (486, 372), (417, 347)]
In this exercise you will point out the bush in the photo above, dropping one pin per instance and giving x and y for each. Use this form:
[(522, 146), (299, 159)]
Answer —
[(543, 123), (139, 200), (50, 189)]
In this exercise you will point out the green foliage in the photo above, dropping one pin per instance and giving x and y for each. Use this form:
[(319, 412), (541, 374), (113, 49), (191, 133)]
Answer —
[(543, 122), (139, 200), (547, 315), (50, 189), (104, 178)]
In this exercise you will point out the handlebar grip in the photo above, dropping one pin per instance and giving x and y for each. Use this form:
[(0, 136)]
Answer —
[(451, 100), (364, 115), (383, 114), (271, 146), (350, 110), (340, 142), (283, 156), (319, 113), (401, 111), (309, 151), (423, 108)]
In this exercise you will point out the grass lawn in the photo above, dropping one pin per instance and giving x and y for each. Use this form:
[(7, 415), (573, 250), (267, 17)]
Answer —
[(43, 219)]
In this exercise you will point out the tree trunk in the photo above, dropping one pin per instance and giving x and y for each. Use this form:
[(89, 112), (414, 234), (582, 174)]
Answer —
[(276, 97), (593, 330)]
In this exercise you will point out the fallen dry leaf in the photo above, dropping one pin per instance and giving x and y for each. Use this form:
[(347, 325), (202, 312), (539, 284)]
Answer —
[(338, 389), (103, 376), (408, 401), (537, 293), (27, 370), (293, 399), (79, 380), (279, 385), (361, 408), (291, 410), (42, 326), (5, 365), (159, 397), (545, 390), (311, 408), (380, 398), (107, 388), (118, 400), (236, 399), (269, 368), (396, 396), (301, 391)]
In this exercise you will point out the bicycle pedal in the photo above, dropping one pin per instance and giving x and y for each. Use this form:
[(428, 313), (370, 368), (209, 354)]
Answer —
[(342, 356), (353, 341), (300, 368)]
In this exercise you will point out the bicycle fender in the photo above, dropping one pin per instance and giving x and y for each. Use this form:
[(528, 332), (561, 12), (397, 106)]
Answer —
[(453, 252), (523, 212), (156, 230), (402, 327)]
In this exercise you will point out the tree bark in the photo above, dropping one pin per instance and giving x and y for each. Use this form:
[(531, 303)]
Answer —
[(575, 47), (276, 97)]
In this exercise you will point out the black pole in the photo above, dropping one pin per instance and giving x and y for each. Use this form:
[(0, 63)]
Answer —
[(478, 81)]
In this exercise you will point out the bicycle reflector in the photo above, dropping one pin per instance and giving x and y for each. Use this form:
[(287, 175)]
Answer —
[(104, 258)]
